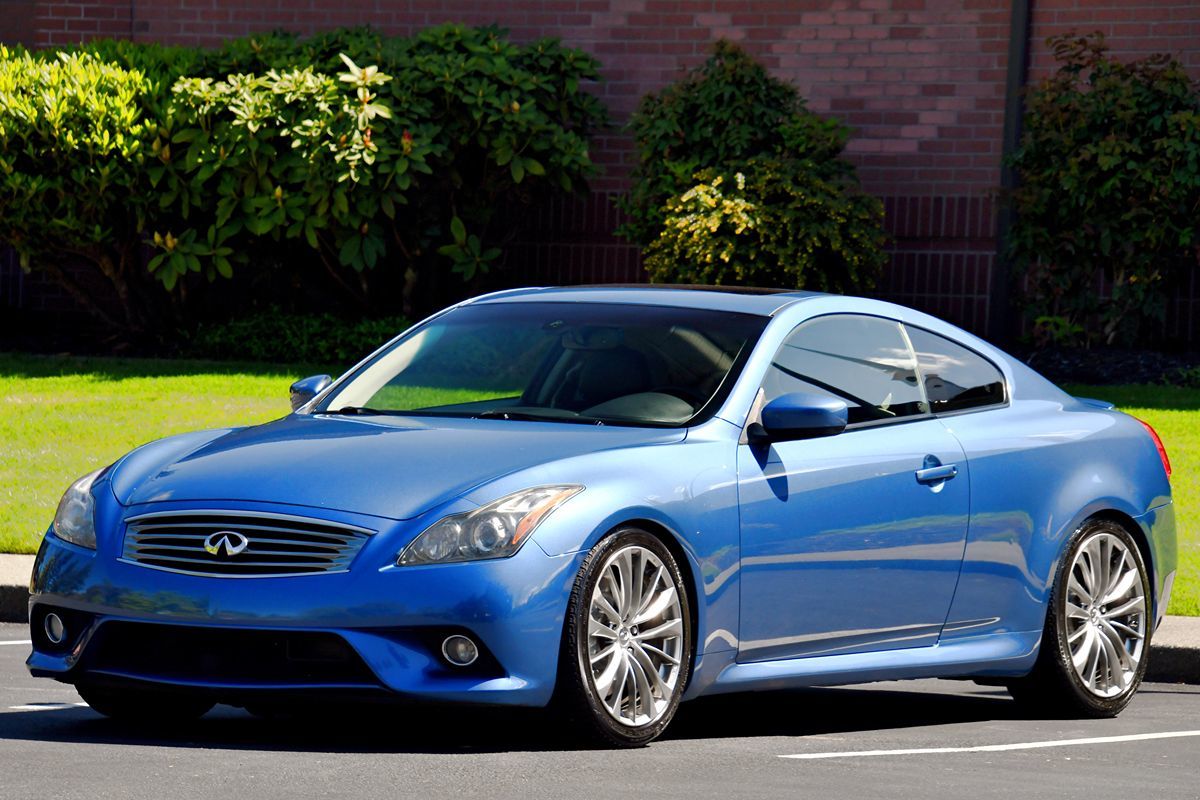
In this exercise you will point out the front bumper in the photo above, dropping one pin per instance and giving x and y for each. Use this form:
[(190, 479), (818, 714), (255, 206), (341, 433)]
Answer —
[(392, 618)]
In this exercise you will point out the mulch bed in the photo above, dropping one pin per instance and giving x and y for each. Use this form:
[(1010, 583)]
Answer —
[(1112, 366)]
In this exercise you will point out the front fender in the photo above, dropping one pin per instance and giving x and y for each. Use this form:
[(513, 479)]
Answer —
[(686, 491)]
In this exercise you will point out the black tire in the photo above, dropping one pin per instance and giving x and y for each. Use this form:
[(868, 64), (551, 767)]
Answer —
[(1054, 687), (577, 698), (145, 706)]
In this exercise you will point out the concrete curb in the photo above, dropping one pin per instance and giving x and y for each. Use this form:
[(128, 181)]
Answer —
[(14, 587), (14, 603), (1175, 657)]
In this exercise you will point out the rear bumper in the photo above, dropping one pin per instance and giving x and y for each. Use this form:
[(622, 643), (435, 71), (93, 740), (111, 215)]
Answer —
[(1158, 525), (122, 616)]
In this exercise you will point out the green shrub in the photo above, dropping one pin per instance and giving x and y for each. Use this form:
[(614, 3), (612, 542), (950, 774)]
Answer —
[(276, 337), (363, 153), (774, 224), (1109, 169), (738, 182), (72, 184), (405, 162)]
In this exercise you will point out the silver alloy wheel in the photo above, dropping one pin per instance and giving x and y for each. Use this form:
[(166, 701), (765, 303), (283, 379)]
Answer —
[(1105, 614), (635, 636)]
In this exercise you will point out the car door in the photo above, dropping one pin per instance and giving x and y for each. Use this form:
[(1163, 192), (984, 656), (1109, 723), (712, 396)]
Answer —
[(852, 542)]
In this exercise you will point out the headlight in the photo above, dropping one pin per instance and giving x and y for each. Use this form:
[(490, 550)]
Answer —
[(74, 521), (492, 531)]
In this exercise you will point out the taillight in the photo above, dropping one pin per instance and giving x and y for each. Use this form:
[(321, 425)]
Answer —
[(1162, 451)]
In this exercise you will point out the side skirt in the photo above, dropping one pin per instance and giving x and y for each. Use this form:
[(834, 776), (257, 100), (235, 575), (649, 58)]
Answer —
[(995, 655)]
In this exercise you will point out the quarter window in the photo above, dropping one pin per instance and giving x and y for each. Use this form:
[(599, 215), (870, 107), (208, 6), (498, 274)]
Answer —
[(865, 361), (955, 378)]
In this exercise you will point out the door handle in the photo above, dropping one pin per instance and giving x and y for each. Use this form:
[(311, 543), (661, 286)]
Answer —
[(933, 471)]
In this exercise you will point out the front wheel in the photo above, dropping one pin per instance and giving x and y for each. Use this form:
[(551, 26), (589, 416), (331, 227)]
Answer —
[(627, 650), (151, 707), (1096, 640)]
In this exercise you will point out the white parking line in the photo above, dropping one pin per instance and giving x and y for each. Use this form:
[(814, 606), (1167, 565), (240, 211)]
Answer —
[(997, 748), (47, 707), (18, 641)]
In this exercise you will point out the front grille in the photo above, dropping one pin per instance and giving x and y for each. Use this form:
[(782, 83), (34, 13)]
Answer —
[(265, 544), (223, 655)]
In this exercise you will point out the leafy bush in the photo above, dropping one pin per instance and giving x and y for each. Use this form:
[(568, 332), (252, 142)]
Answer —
[(738, 181), (382, 160), (1109, 168), (72, 136), (395, 163), (775, 224), (276, 337)]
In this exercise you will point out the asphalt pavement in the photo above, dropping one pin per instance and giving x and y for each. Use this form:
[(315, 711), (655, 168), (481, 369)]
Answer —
[(919, 739)]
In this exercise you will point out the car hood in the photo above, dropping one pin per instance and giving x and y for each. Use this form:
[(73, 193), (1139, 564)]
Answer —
[(394, 467)]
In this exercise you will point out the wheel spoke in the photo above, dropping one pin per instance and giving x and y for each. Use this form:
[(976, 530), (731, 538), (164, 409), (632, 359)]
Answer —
[(1094, 662), (1136, 604), (672, 627), (1113, 672), (1121, 587), (645, 696), (604, 681), (637, 566), (660, 654), (648, 591), (1103, 564), (1074, 585), (655, 679), (1079, 632), (1122, 628), (1093, 567), (1083, 653), (601, 602), (598, 628), (665, 599), (619, 695), (1076, 612), (600, 655), (620, 585), (1118, 645)]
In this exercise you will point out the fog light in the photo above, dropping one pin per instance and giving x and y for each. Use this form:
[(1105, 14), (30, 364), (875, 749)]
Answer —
[(56, 631), (459, 650)]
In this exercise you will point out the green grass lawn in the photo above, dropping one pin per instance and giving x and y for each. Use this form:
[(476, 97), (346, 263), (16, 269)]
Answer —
[(1175, 413), (61, 417)]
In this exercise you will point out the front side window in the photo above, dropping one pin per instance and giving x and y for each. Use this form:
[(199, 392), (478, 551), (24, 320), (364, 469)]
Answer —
[(570, 362), (865, 361), (956, 379)]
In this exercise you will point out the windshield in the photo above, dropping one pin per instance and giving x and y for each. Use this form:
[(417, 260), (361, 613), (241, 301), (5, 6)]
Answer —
[(571, 362)]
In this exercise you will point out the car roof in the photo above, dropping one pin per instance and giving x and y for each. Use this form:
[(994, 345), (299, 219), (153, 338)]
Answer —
[(746, 300)]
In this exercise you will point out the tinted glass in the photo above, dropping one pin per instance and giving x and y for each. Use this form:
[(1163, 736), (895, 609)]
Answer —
[(569, 362), (862, 360), (955, 378)]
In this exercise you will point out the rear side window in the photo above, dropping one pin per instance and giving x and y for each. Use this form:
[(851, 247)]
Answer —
[(862, 360), (956, 378)]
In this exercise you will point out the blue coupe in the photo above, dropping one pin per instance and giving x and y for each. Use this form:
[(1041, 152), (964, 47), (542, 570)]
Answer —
[(609, 500)]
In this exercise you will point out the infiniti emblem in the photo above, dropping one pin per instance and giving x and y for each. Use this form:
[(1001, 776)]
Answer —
[(226, 543)]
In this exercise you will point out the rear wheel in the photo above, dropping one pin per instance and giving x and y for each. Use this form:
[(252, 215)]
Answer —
[(627, 651), (139, 705), (1097, 637)]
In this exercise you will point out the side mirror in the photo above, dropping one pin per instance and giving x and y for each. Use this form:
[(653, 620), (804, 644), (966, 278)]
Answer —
[(304, 390), (799, 416)]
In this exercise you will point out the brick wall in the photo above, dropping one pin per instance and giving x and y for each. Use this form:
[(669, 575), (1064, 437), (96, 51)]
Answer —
[(16, 21), (922, 83)]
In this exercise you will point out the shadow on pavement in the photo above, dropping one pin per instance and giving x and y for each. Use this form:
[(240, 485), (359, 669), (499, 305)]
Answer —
[(473, 730)]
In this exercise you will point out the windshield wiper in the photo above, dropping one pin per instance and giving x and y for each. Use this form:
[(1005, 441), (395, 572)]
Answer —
[(503, 413), (353, 411)]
